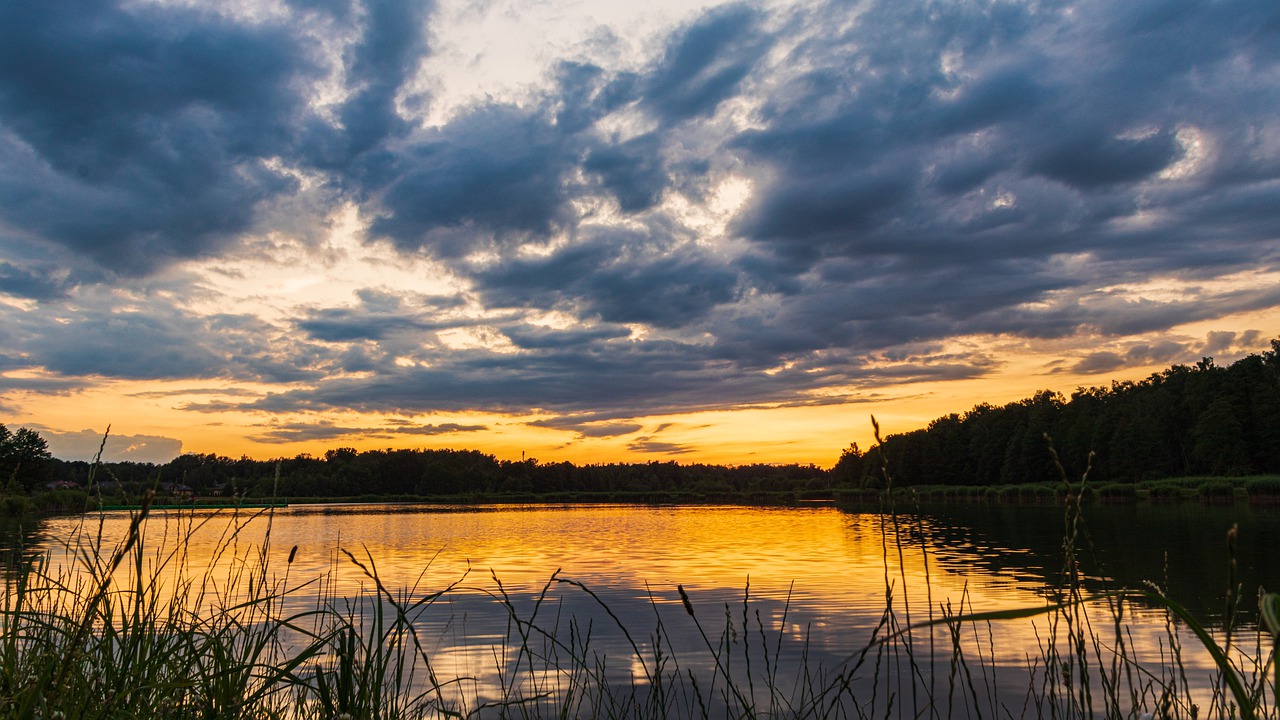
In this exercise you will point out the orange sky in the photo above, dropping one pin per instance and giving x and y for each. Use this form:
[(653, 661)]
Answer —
[(140, 411), (599, 231)]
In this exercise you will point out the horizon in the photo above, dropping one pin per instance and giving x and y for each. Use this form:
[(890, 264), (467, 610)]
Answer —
[(695, 230), (108, 444)]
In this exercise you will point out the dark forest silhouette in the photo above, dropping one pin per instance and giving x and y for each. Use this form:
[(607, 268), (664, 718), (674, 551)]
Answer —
[(1202, 419)]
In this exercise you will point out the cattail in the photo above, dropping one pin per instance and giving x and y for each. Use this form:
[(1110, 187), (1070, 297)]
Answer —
[(292, 553), (684, 598)]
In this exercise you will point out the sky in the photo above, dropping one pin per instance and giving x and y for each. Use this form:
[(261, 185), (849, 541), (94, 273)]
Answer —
[(595, 231)]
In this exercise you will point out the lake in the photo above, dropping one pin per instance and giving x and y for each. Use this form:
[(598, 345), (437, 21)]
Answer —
[(799, 592)]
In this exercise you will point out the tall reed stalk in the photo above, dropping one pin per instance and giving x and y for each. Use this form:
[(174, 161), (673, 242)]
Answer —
[(139, 628)]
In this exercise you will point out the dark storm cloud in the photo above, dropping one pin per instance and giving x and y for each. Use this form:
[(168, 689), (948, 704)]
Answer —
[(704, 64), (378, 316), (632, 170), (918, 171), (109, 346), (948, 155), (847, 304), (630, 379), (619, 276), (1094, 159), (388, 51), (497, 170), (122, 338), (44, 283), (876, 135), (142, 131), (585, 92), (509, 167)]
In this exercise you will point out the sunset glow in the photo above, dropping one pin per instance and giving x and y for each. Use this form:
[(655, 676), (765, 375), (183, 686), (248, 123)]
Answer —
[(594, 232)]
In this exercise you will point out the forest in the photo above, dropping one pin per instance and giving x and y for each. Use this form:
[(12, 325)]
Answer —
[(1188, 420)]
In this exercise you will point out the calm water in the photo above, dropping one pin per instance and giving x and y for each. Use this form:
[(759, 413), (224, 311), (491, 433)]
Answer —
[(812, 579)]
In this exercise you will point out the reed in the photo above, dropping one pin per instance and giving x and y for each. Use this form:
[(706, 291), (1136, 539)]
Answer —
[(132, 628)]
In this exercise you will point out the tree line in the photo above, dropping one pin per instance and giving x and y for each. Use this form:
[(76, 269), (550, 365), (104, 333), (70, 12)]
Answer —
[(1188, 420), (346, 472), (1202, 419)]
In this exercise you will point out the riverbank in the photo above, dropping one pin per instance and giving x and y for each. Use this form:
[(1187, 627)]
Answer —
[(1212, 490), (317, 611), (1261, 490)]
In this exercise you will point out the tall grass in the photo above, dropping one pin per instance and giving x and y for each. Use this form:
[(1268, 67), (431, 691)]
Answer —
[(137, 627)]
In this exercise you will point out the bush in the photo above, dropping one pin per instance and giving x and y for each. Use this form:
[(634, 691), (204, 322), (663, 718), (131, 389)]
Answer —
[(855, 495), (1037, 493), (1009, 493), (1264, 489), (1217, 491), (1166, 492), (1117, 492), (15, 505), (64, 501)]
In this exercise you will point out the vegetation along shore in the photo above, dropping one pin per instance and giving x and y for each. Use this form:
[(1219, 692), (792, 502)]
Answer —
[(136, 623), (1190, 432), (122, 627)]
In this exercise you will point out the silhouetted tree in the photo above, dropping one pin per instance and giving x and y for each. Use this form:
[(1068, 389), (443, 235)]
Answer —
[(24, 459), (848, 469)]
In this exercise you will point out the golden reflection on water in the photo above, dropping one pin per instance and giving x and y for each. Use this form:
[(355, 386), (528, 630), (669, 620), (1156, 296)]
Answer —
[(822, 570), (832, 557)]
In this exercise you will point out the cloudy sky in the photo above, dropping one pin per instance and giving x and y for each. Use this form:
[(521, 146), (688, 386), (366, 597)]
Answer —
[(589, 230)]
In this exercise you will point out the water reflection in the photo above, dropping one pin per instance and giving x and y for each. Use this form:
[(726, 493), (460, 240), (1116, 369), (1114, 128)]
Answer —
[(1181, 547), (20, 542), (797, 590)]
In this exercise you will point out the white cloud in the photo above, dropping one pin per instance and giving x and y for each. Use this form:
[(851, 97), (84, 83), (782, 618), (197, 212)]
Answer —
[(85, 445)]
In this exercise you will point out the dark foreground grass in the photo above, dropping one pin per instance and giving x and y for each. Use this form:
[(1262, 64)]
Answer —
[(130, 629)]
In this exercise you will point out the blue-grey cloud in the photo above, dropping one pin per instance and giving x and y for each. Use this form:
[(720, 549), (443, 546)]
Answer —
[(632, 170), (1100, 362), (619, 276), (901, 156), (497, 170), (387, 53), (152, 122), (543, 338), (1165, 351), (1090, 159), (43, 283), (659, 447), (918, 172), (302, 432), (37, 385), (630, 379), (588, 427), (704, 64), (378, 316), (120, 338)]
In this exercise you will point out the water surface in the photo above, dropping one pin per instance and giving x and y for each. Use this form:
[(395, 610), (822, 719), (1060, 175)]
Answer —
[(810, 583)]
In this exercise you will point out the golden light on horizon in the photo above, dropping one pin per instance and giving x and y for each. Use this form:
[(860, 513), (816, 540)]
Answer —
[(206, 415)]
